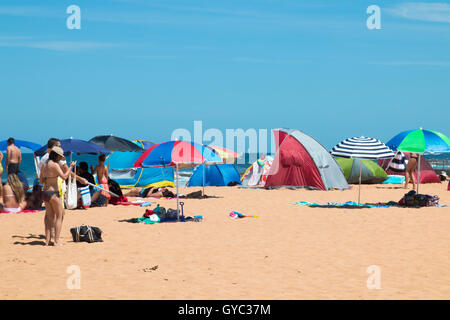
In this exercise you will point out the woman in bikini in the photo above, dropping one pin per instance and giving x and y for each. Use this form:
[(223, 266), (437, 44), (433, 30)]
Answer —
[(410, 168), (152, 192), (13, 195), (53, 206)]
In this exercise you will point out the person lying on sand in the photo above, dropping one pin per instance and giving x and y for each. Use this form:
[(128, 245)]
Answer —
[(152, 192)]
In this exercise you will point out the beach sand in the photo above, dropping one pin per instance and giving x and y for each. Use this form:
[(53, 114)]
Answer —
[(289, 252)]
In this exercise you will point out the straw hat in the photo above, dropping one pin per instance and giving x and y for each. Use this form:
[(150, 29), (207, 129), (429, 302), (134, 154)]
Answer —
[(443, 173), (58, 151)]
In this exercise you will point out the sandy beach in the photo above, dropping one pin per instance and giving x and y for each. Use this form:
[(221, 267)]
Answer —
[(289, 252)]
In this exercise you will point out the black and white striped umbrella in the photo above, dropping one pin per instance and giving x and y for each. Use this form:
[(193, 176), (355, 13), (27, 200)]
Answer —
[(362, 148)]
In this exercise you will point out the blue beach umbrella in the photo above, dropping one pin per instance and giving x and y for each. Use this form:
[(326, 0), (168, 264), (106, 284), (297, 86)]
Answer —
[(75, 146), (20, 144)]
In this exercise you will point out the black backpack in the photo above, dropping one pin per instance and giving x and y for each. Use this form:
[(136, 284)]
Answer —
[(86, 234)]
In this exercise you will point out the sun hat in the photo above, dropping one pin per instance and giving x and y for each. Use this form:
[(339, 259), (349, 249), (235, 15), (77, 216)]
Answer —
[(443, 173), (58, 151)]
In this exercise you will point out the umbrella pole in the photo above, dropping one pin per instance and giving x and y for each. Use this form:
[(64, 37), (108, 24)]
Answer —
[(418, 174), (178, 199), (203, 191), (359, 188)]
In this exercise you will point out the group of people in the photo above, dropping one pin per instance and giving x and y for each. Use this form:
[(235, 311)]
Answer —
[(51, 185)]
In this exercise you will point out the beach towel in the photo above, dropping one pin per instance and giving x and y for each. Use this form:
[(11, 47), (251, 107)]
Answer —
[(394, 179), (23, 211), (237, 215), (348, 204), (85, 196)]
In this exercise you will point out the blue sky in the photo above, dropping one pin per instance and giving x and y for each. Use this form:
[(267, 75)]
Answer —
[(140, 69)]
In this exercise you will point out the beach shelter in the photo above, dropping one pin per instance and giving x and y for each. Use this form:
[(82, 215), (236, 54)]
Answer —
[(302, 161), (214, 175), (256, 174), (427, 174), (420, 141), (362, 148), (123, 172), (174, 153), (371, 173)]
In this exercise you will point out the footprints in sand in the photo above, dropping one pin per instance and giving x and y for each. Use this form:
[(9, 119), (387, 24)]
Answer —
[(17, 260), (150, 269)]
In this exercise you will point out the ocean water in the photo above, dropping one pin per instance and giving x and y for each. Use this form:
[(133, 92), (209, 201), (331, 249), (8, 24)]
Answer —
[(27, 166), (438, 162)]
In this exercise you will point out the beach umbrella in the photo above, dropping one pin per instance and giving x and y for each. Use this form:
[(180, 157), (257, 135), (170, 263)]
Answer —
[(420, 141), (225, 154), (75, 146), (174, 153), (362, 148), (144, 144), (114, 143), (20, 144)]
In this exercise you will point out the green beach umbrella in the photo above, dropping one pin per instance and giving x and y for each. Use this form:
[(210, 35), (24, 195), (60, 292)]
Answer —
[(370, 171), (420, 141)]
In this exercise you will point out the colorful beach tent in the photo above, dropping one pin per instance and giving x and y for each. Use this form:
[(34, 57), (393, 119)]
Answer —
[(303, 162), (427, 174), (123, 172), (215, 175), (256, 174), (371, 173)]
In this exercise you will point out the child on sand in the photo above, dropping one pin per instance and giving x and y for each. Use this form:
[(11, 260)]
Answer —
[(102, 177)]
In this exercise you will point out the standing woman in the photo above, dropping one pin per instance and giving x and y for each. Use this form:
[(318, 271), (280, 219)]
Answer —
[(1, 171), (410, 168), (53, 206)]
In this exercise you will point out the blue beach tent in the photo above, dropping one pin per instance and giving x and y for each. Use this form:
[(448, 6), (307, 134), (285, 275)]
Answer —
[(215, 175), (122, 170)]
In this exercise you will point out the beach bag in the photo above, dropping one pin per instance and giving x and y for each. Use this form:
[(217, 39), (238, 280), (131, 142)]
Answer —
[(85, 196), (410, 199), (86, 234), (72, 194)]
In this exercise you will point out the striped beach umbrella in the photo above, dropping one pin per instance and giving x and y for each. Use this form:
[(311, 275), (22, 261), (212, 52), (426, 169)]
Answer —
[(362, 148), (420, 141)]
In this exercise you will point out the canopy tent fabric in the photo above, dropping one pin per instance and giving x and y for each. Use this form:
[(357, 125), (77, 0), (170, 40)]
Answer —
[(215, 175), (362, 148), (20, 144), (303, 162), (371, 173), (256, 174), (123, 172), (427, 174)]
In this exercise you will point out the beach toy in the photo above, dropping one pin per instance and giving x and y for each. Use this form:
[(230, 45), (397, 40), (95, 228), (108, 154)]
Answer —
[(182, 212)]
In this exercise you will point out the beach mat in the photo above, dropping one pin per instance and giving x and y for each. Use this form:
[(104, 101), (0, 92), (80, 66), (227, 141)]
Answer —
[(348, 205)]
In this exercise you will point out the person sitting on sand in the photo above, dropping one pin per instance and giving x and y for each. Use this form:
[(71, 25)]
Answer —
[(410, 168), (34, 199), (13, 157), (13, 195), (152, 192), (51, 194)]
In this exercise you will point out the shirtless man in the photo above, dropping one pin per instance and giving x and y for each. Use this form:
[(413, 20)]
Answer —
[(13, 157)]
